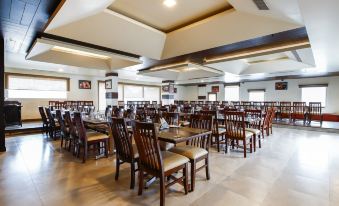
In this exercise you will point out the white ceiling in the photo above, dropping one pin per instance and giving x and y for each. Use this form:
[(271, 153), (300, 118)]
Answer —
[(92, 22), (157, 15)]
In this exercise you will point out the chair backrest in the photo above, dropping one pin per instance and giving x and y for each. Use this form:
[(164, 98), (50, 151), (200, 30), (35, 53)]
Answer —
[(43, 115), (70, 124), (50, 117), (201, 122), (315, 108), (148, 146), (214, 114), (235, 124), (58, 115), (122, 140), (173, 108), (80, 127), (299, 107), (171, 118), (285, 107), (257, 116)]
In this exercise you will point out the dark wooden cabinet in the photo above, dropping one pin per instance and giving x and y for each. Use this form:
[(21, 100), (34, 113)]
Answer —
[(12, 113)]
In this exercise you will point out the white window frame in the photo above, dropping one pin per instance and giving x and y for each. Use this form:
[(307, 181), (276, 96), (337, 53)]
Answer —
[(256, 91), (323, 103), (232, 86)]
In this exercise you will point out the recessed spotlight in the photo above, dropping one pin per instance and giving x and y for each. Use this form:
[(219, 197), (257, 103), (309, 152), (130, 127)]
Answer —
[(170, 3)]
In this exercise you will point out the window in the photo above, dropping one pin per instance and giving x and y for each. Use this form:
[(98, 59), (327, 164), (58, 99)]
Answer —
[(31, 86), (102, 96), (212, 97), (256, 96), (129, 92), (151, 94), (232, 93), (314, 94)]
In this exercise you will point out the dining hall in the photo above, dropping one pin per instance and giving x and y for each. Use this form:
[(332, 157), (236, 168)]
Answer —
[(169, 102)]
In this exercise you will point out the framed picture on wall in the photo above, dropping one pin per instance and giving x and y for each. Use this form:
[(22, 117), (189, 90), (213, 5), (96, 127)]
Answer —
[(171, 88), (85, 84), (108, 84), (281, 86), (165, 88), (215, 89), (175, 90)]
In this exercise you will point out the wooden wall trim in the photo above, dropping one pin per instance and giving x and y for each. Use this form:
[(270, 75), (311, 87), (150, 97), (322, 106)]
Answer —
[(256, 90), (312, 85)]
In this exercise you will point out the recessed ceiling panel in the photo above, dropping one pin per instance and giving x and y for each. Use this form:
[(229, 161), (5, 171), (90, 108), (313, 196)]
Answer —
[(154, 13)]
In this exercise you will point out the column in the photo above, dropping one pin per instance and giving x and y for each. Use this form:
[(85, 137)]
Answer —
[(111, 82), (2, 94), (167, 96)]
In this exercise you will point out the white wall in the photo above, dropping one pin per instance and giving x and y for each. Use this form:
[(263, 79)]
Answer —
[(30, 106), (293, 93)]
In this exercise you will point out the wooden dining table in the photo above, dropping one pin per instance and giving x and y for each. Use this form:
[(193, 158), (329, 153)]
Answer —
[(181, 134)]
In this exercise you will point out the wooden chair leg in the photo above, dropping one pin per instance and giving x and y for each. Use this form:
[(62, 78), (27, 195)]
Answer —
[(207, 168), (251, 144), (132, 175), (226, 144), (218, 143), (84, 157), (162, 191), (117, 168), (254, 142), (244, 142), (106, 148), (193, 167), (259, 140), (185, 173), (141, 181)]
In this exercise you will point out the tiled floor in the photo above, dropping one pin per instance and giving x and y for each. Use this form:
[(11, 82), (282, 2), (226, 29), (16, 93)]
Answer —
[(294, 167)]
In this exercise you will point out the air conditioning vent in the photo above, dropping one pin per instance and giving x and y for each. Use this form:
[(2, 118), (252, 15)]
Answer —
[(261, 4)]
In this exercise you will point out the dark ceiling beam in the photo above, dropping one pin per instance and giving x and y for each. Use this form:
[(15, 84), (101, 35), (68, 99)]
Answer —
[(83, 44), (198, 57)]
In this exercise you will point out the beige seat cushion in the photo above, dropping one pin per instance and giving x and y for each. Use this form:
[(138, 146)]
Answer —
[(165, 146), (254, 131), (96, 136), (247, 135), (189, 151), (172, 160)]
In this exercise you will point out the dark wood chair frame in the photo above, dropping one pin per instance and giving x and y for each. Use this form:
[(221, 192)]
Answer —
[(151, 162), (84, 142), (124, 149)]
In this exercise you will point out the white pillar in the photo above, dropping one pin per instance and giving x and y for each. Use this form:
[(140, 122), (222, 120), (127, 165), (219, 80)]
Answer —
[(111, 82), (167, 96)]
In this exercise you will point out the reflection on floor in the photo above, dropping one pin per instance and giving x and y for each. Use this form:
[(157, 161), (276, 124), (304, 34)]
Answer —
[(294, 167)]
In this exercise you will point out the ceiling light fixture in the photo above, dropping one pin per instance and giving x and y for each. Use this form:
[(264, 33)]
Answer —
[(169, 3), (78, 52)]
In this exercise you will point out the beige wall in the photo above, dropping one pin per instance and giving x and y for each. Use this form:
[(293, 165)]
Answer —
[(30, 106)]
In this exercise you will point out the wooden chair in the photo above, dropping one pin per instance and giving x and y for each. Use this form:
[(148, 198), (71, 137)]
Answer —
[(218, 132), (87, 141), (314, 113), (246, 105), (45, 123), (172, 118), (235, 130), (270, 121), (54, 127), (72, 132), (299, 111), (284, 110), (126, 152), (266, 123), (63, 128), (255, 125), (197, 149), (157, 163)]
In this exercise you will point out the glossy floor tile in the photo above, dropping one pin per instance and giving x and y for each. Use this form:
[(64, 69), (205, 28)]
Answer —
[(293, 167)]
